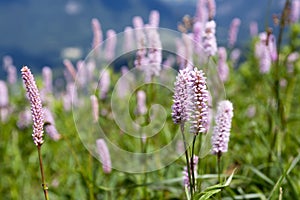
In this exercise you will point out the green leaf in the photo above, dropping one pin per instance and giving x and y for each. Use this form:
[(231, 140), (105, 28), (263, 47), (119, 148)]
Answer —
[(261, 175)]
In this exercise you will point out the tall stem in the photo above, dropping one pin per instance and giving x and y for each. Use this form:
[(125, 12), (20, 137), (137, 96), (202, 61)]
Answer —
[(44, 185), (219, 170), (187, 158), (192, 162)]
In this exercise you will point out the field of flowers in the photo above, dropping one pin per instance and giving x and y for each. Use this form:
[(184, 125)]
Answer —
[(152, 113)]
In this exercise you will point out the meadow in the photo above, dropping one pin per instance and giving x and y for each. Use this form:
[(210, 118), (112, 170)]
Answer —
[(109, 130)]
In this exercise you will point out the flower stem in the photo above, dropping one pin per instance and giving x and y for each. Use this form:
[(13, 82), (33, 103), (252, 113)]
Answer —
[(187, 158), (44, 185), (192, 163)]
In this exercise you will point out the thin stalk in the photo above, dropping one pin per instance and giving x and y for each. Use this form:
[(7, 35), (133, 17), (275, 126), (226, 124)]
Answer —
[(44, 185), (219, 171), (192, 162), (187, 158), (91, 188)]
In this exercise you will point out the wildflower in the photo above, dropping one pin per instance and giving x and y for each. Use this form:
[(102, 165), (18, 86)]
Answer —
[(11, 74), (186, 180), (141, 58), (201, 12), (95, 108), (253, 28), (266, 51), (235, 56), (198, 108), (24, 119), (47, 79), (70, 67), (221, 133), (104, 84), (98, 36), (180, 98), (188, 44), (36, 105), (295, 12), (4, 102), (141, 103), (111, 42), (128, 39), (209, 40), (104, 155), (154, 19), (233, 31), (223, 69), (211, 4)]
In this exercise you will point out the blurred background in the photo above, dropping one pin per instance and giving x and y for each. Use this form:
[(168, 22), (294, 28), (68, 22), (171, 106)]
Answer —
[(37, 33)]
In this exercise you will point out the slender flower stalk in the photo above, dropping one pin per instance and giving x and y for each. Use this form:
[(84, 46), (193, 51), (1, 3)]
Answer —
[(111, 42), (128, 39), (295, 12), (221, 133), (98, 35), (233, 32), (4, 102), (141, 103), (209, 38), (186, 181), (37, 117), (223, 69), (95, 108), (104, 155), (50, 125)]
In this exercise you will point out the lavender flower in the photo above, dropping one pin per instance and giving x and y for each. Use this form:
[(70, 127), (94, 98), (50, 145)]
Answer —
[(50, 125), (201, 12), (223, 69), (70, 67), (180, 98), (186, 180), (110, 44), (291, 59), (253, 28), (104, 155), (233, 31), (98, 36), (235, 56), (211, 4), (209, 40), (141, 58), (95, 108), (47, 79), (36, 105), (295, 12), (266, 51), (154, 19), (141, 103), (188, 44), (4, 99), (198, 108), (104, 84), (221, 133), (128, 39), (24, 119), (7, 61), (11, 74)]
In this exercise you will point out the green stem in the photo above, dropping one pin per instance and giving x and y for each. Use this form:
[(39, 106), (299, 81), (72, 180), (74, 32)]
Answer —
[(187, 158), (91, 187), (44, 185), (219, 170)]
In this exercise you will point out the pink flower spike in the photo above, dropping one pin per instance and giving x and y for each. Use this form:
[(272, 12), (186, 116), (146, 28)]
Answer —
[(36, 106), (104, 155)]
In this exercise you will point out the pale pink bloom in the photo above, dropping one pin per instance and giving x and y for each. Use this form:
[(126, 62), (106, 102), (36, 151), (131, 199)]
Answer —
[(141, 103), (209, 38), (253, 28), (197, 37), (211, 4), (123, 86), (154, 19), (4, 102), (71, 92), (154, 54), (4, 97), (11, 74), (81, 77), (141, 59), (90, 70), (110, 47), (233, 31), (50, 125), (95, 108), (7, 61), (223, 69), (180, 53), (47, 79), (180, 97), (221, 133), (251, 111), (98, 36), (104, 84), (198, 102), (128, 39), (188, 44), (24, 119), (36, 105), (201, 11), (70, 67), (235, 56), (295, 12), (104, 155)]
